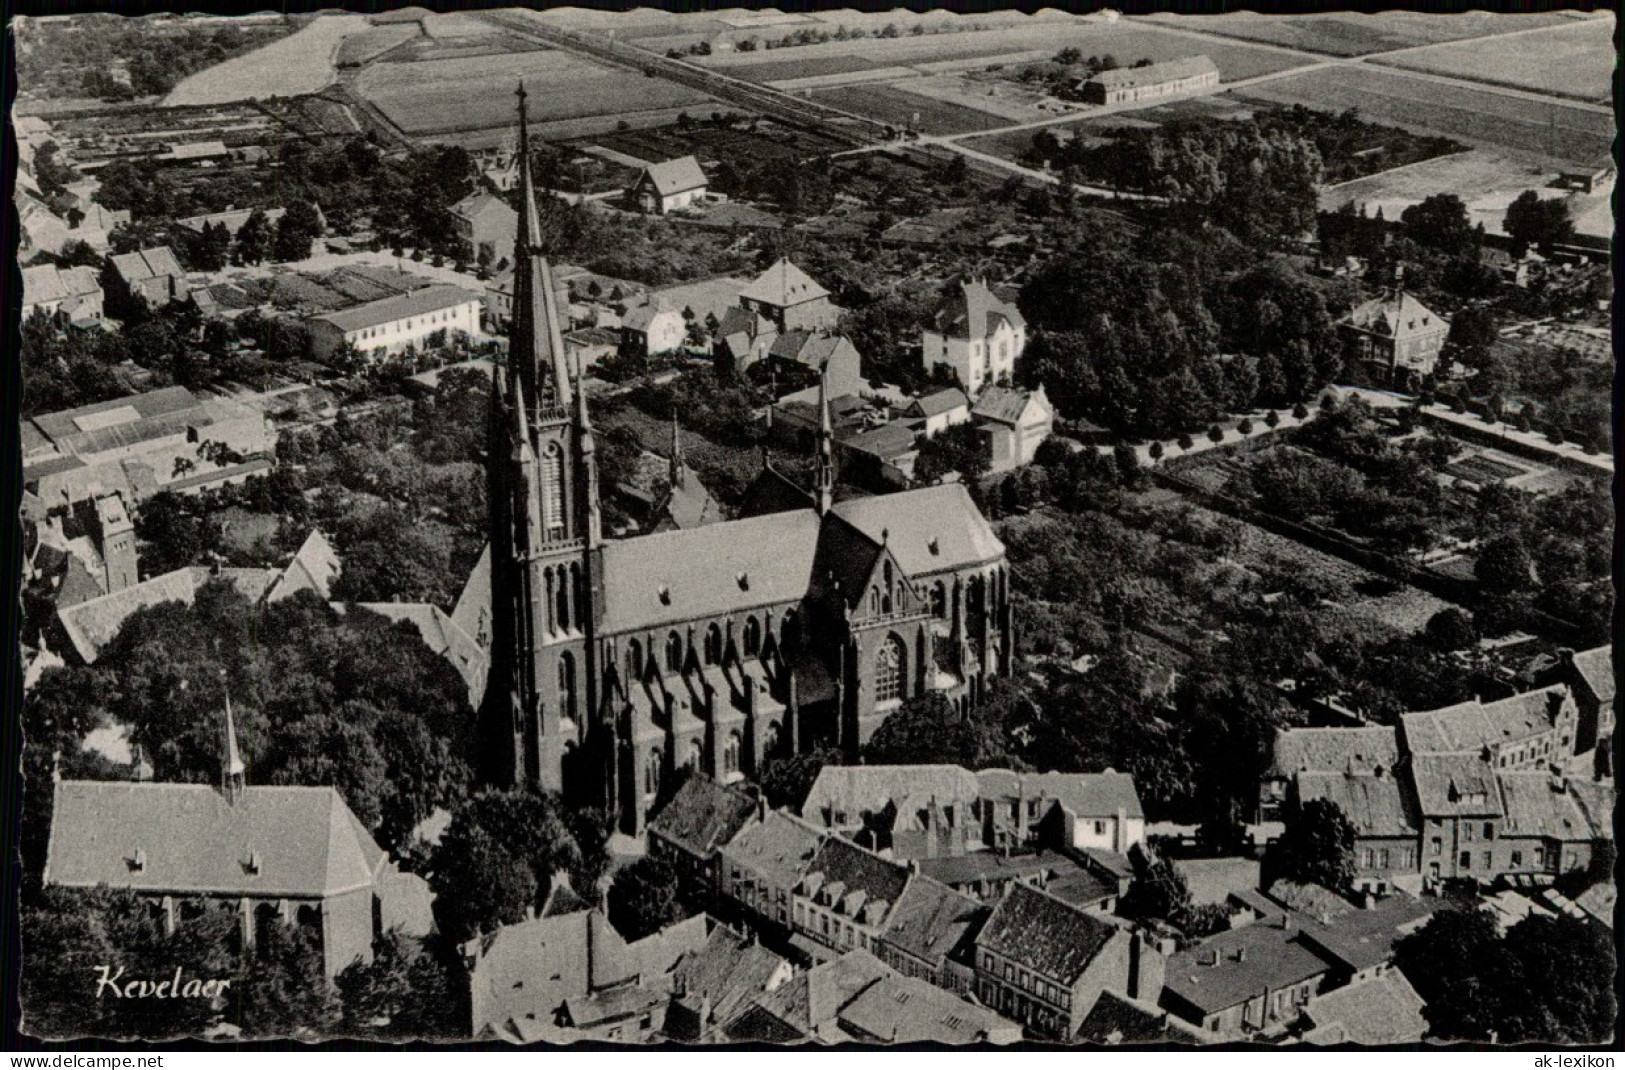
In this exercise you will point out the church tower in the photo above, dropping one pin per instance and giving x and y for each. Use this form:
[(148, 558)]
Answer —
[(545, 530)]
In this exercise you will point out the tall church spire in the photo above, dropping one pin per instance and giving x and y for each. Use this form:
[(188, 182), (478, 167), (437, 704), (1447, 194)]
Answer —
[(232, 769), (536, 343), (676, 453), (824, 463)]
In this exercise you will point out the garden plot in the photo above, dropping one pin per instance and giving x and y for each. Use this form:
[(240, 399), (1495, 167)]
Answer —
[(900, 107)]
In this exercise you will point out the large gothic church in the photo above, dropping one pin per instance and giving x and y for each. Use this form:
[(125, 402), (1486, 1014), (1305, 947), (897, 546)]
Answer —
[(615, 662)]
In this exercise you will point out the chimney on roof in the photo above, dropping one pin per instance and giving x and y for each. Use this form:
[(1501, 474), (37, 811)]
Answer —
[(1241, 954)]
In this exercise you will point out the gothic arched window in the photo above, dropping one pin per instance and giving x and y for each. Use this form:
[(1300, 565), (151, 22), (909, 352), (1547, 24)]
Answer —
[(567, 684), (695, 754), (891, 669), (562, 593), (713, 645), (651, 773), (674, 653), (634, 661), (886, 594), (730, 754), (753, 637), (939, 600), (553, 491), (874, 601)]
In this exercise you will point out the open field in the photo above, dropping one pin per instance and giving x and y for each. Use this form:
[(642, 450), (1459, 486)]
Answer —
[(1570, 61), (1127, 43), (894, 104), (1555, 132), (1350, 34), (374, 41), (1487, 180), (298, 64), (428, 49), (460, 95)]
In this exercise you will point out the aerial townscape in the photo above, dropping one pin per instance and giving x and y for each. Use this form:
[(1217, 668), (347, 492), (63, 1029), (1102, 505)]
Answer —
[(545, 526)]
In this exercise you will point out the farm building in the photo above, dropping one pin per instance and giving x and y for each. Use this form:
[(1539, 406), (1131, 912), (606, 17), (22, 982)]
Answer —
[(486, 225), (75, 292), (1589, 178), (1177, 76), (393, 323), (666, 187), (1397, 337)]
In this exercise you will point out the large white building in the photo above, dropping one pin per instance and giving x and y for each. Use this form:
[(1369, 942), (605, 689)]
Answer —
[(1125, 84), (379, 328), (976, 335)]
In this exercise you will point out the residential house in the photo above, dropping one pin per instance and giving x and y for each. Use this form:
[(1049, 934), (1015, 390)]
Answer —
[(1076, 811), (1359, 751), (1124, 85), (1044, 962), (1589, 675), (1460, 806), (761, 866), (274, 855), (858, 999), (945, 810), (1396, 337), (844, 900), (1014, 423), (486, 225), (653, 327), (1382, 1012), (713, 984), (975, 335), (799, 359), (904, 1010), (151, 274), (74, 293), (790, 300), (1550, 824), (1532, 730), (1252, 980), (1383, 813), (669, 185), (689, 829), (932, 935), (423, 318), (937, 411), (1116, 1019), (532, 981)]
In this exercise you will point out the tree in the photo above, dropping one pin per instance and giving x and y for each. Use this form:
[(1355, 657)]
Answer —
[(409, 991), (297, 231), (497, 860), (1549, 980), (284, 990), (1440, 222), (785, 780), (1216, 434), (1159, 890), (254, 239), (1503, 565), (1533, 220), (1316, 847), (1450, 630), (643, 898)]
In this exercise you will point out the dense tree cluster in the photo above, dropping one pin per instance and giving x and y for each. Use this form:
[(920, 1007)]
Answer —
[(1548, 980), (84, 58), (1128, 332), (1533, 220), (643, 898)]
